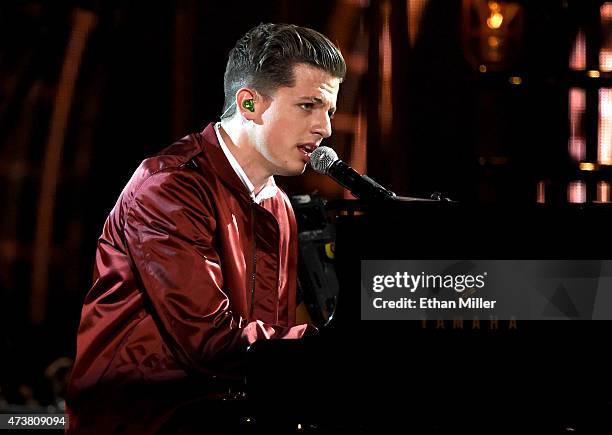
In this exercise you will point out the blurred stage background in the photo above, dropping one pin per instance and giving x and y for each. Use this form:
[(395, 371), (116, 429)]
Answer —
[(483, 101)]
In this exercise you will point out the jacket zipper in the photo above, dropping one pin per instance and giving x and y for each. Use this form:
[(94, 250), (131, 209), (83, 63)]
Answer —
[(254, 271)]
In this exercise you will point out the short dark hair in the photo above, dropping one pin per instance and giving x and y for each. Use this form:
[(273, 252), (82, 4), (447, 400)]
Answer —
[(264, 58)]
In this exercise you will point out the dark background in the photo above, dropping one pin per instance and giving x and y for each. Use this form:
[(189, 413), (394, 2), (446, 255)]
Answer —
[(152, 72)]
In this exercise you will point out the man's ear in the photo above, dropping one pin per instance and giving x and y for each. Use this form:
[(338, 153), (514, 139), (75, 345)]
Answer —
[(246, 103)]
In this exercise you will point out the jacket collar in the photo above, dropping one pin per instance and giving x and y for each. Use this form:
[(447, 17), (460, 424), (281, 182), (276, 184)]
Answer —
[(217, 159)]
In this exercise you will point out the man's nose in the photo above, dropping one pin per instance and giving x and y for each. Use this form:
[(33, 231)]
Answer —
[(323, 126)]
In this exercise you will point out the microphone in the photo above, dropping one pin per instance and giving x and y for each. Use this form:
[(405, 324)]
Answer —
[(325, 161)]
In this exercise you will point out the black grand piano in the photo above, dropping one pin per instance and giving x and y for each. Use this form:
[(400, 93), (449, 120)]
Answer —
[(433, 376)]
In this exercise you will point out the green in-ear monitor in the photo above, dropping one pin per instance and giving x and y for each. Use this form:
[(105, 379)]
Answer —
[(249, 105)]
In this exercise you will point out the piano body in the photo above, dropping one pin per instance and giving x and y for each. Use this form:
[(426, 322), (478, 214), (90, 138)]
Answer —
[(491, 376)]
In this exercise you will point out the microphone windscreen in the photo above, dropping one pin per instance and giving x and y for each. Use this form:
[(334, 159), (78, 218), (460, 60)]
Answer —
[(322, 158)]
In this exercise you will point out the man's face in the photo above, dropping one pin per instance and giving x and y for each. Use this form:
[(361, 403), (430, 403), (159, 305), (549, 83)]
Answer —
[(296, 120)]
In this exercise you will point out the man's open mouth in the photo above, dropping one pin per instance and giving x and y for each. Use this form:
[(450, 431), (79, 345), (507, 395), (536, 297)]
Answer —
[(307, 148)]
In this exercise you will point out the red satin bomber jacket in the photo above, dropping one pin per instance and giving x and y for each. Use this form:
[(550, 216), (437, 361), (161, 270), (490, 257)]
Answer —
[(189, 271)]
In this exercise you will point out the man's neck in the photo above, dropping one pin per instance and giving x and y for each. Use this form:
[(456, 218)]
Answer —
[(245, 154)]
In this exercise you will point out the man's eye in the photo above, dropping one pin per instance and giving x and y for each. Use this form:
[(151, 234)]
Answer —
[(306, 106)]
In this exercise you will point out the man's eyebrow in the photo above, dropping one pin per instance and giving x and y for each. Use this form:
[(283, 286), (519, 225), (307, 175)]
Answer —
[(316, 100)]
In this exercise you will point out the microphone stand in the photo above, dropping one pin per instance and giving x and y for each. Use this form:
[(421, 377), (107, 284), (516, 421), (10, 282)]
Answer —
[(435, 197)]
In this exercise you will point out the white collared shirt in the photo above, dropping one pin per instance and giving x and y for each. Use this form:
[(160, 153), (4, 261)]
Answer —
[(268, 191)]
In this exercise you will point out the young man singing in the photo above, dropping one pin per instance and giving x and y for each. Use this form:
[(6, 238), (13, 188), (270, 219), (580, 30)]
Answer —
[(197, 260)]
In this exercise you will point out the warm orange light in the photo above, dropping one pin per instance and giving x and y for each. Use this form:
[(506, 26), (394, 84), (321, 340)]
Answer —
[(541, 193), (584, 166), (577, 106), (482, 68), (385, 67), (415, 9), (515, 80), (495, 20), (603, 191), (578, 57), (493, 41), (593, 74), (576, 192), (604, 151), (605, 53), (605, 59)]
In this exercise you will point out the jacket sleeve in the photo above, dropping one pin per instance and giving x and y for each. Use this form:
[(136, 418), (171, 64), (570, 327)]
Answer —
[(169, 232)]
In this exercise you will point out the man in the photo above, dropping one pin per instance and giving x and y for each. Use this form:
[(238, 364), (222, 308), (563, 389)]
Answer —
[(197, 260)]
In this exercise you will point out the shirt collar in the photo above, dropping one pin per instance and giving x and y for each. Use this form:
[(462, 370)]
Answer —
[(269, 190)]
